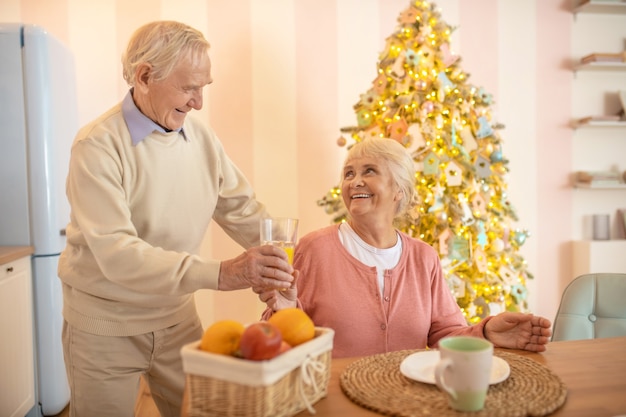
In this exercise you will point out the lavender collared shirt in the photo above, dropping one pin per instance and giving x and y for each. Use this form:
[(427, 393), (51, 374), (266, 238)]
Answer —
[(139, 125)]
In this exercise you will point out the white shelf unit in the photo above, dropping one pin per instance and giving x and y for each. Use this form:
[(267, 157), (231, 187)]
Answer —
[(598, 145), (577, 124), (601, 7), (600, 186), (601, 66)]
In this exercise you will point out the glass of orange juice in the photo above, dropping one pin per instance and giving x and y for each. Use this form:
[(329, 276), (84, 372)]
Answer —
[(281, 232)]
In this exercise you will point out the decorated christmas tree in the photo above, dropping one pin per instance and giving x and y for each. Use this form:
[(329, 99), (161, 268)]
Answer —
[(421, 98)]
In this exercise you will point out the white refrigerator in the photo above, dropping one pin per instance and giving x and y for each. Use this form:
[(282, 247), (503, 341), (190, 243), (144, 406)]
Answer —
[(38, 119)]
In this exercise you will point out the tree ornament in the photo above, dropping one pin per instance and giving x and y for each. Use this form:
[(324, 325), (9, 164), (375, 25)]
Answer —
[(484, 129), (519, 292), (469, 142), (496, 155), (409, 16), (444, 81), (497, 245), (482, 166), (380, 83), (507, 275), (373, 132), (431, 164), (459, 248), (457, 286), (412, 58), (481, 238), (397, 69), (416, 138), (482, 309), (453, 174), (518, 237), (443, 242), (397, 130), (448, 58), (495, 308), (467, 216), (479, 205), (480, 260), (428, 107), (364, 118)]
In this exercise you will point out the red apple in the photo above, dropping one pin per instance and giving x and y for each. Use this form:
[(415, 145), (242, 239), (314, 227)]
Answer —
[(260, 341)]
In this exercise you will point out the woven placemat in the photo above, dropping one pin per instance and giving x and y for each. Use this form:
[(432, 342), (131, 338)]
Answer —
[(375, 383)]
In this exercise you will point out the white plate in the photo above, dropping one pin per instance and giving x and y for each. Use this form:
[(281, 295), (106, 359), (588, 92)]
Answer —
[(420, 366)]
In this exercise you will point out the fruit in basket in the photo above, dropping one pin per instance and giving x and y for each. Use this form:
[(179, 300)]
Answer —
[(222, 337), (284, 347), (260, 341), (294, 324)]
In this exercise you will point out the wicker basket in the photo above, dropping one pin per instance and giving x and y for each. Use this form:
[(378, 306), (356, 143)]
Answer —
[(220, 385)]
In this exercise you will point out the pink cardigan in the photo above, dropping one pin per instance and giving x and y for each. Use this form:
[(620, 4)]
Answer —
[(337, 291)]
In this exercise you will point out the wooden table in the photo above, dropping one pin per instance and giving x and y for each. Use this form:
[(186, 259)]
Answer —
[(594, 372)]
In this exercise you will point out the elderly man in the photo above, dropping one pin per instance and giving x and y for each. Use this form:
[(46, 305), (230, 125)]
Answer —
[(144, 183)]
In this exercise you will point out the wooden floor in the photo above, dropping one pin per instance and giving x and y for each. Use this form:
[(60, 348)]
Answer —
[(145, 407)]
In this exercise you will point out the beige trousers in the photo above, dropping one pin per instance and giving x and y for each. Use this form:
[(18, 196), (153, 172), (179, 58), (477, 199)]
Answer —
[(104, 371)]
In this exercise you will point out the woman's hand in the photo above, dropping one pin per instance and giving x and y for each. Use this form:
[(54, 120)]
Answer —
[(279, 299), (519, 331)]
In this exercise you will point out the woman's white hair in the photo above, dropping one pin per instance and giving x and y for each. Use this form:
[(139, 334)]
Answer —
[(161, 44), (398, 160)]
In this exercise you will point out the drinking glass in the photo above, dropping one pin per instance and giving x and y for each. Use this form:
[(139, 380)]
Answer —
[(281, 232)]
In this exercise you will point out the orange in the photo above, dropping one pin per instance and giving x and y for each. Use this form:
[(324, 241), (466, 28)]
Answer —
[(222, 337), (294, 324)]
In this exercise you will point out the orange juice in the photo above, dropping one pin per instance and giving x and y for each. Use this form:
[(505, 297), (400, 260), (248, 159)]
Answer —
[(288, 247)]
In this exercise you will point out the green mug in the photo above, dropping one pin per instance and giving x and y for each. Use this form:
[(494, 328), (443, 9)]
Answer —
[(463, 371)]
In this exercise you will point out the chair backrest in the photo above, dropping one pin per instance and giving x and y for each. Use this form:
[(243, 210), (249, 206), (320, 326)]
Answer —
[(592, 306)]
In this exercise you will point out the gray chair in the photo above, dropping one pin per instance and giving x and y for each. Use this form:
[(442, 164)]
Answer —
[(592, 306)]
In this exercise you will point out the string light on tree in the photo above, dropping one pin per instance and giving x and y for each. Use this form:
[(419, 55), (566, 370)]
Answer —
[(420, 97)]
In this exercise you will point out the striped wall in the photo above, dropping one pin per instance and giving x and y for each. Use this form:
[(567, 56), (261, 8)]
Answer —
[(287, 73)]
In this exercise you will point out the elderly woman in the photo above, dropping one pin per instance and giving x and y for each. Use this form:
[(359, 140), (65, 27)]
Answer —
[(378, 288)]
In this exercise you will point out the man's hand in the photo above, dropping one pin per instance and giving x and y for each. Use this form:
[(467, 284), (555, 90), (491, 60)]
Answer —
[(259, 267)]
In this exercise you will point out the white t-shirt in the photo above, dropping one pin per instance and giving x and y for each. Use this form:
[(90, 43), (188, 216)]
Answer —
[(382, 259)]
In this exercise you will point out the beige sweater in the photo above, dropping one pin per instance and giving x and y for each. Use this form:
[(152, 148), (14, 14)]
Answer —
[(138, 217)]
